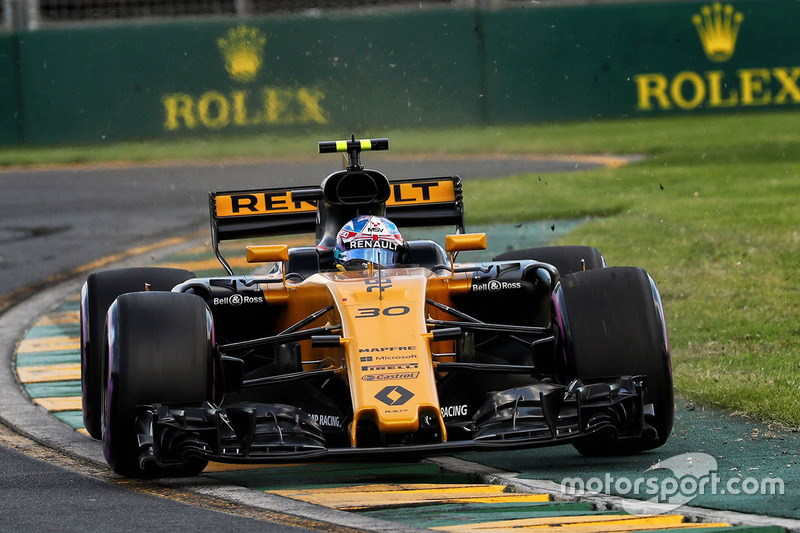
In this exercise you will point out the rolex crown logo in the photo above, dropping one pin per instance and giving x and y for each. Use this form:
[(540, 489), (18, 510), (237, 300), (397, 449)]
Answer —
[(242, 48), (718, 27)]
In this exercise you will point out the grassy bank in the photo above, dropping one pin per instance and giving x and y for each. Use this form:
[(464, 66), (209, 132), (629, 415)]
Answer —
[(754, 137), (712, 213)]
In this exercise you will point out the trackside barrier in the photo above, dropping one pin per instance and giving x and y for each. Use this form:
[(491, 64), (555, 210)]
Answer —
[(9, 91), (381, 70)]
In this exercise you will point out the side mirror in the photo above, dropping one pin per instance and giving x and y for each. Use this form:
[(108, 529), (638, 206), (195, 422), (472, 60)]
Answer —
[(267, 253), (464, 242)]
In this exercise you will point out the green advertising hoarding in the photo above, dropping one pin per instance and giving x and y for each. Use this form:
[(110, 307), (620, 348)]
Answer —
[(374, 71), (640, 60), (10, 130), (126, 82)]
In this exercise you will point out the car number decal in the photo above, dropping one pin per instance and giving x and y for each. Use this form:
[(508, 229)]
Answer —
[(372, 312)]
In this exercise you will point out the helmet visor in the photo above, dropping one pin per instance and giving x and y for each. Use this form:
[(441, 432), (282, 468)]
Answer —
[(379, 256)]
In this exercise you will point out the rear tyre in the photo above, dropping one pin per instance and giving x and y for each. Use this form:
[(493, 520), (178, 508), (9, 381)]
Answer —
[(159, 351), (97, 295), (613, 324), (567, 259)]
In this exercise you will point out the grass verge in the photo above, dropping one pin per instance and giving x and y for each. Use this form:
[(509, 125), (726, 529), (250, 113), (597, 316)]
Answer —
[(714, 218), (751, 137)]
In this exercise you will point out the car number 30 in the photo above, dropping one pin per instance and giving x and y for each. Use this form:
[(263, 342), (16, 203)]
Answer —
[(372, 312)]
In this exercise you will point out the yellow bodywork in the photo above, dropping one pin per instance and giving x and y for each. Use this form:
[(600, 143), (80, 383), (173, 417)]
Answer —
[(385, 352), (388, 360)]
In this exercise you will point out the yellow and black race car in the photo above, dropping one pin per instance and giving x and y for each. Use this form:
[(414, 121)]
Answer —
[(367, 344)]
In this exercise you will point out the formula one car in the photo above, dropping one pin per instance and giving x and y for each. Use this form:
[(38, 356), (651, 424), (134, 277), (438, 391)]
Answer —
[(366, 344)]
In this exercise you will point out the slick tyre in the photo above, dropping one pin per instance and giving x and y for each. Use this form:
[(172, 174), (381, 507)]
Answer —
[(567, 259), (159, 351), (613, 324), (97, 295)]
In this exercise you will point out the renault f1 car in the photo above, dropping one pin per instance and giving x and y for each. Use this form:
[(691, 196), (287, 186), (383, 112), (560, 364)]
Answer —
[(313, 359)]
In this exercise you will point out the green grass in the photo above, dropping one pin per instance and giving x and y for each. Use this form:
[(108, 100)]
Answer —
[(712, 213), (723, 244), (753, 137)]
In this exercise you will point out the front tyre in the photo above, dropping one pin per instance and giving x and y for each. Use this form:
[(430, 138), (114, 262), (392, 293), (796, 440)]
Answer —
[(613, 325), (159, 351), (97, 295)]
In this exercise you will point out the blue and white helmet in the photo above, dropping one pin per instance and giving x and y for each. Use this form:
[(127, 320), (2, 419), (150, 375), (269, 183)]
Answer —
[(369, 238)]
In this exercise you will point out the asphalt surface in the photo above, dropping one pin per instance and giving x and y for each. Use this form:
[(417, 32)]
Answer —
[(53, 221), (39, 497)]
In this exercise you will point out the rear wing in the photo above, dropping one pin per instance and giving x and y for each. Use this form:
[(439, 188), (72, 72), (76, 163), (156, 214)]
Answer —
[(244, 214)]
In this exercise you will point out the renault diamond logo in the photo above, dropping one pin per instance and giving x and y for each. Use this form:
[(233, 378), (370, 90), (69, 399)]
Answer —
[(394, 395)]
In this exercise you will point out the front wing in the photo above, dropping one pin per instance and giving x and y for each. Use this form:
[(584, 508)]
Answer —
[(542, 414)]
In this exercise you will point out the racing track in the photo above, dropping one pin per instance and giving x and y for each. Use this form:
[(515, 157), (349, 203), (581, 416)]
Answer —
[(55, 221)]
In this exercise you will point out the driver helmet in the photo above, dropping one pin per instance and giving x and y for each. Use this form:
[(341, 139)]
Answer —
[(369, 238)]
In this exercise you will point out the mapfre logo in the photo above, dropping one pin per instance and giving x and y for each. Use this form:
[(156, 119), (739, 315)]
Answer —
[(242, 50)]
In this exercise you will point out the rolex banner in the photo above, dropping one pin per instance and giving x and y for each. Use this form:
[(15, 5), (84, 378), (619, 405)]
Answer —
[(374, 71), (264, 75), (641, 60)]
